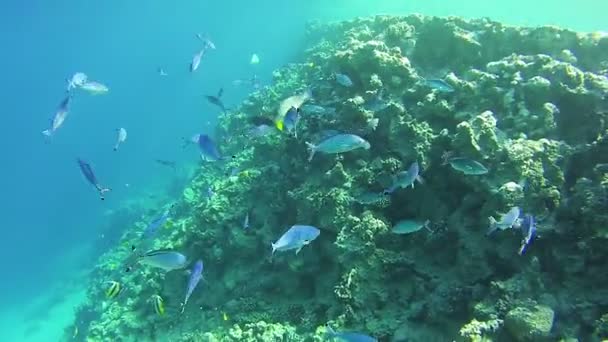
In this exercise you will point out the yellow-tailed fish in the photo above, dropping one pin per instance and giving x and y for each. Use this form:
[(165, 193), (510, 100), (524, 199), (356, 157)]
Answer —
[(159, 305), (113, 290), (295, 101)]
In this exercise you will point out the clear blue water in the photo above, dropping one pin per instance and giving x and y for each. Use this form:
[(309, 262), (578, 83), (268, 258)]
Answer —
[(51, 216)]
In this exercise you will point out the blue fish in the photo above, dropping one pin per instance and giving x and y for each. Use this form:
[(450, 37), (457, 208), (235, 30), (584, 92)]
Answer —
[(528, 228), (439, 85), (343, 80), (209, 150), (348, 336), (406, 178), (195, 277), (87, 171), (296, 238), (166, 259), (291, 119), (153, 226)]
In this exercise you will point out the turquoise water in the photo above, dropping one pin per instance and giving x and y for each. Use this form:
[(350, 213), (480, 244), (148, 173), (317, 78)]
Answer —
[(54, 225)]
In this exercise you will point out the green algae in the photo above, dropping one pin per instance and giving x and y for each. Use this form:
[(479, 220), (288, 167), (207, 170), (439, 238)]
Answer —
[(531, 113)]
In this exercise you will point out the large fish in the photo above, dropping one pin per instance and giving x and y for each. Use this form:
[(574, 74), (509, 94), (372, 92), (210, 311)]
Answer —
[(296, 238), (338, 143), (95, 88), (60, 115), (295, 101), (166, 259), (209, 150), (195, 278), (87, 171)]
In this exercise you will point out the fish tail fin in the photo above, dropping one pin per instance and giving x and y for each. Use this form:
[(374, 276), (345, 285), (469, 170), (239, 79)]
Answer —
[(47, 133), (419, 179), (274, 248), (492, 225), (312, 149), (279, 124)]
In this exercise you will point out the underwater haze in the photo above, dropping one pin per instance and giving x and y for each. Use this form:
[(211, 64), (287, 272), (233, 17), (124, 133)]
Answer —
[(420, 128)]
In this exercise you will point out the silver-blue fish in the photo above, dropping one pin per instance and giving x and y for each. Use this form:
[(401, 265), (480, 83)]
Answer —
[(158, 222), (291, 119), (195, 277), (338, 143), (166, 259), (528, 228), (507, 221), (348, 336), (343, 80), (60, 115), (88, 173), (296, 238), (406, 178), (209, 150), (439, 85)]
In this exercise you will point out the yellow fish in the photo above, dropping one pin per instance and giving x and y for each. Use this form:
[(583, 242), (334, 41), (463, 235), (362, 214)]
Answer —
[(159, 305), (295, 101), (114, 289)]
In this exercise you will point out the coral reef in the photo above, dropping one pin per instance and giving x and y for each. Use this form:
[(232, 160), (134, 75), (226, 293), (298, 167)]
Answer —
[(530, 104)]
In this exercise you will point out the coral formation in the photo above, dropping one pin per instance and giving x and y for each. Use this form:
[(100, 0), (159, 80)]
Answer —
[(530, 104)]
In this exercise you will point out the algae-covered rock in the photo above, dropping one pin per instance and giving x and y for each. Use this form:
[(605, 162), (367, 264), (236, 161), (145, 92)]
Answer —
[(530, 324)]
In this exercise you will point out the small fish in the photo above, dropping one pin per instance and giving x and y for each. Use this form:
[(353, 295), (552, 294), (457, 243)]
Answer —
[(348, 336), (224, 316), (158, 222), (338, 144), (466, 166), (209, 150), (87, 171), (246, 222), (159, 305), (114, 289), (254, 59), (215, 100), (296, 238), (161, 71), (528, 227), (406, 178), (261, 130), (60, 115), (77, 80), (207, 43), (168, 163), (95, 88), (75, 332), (210, 193), (295, 101), (195, 276), (313, 109), (196, 60), (291, 120), (122, 136), (409, 226), (439, 85), (343, 80), (507, 221), (166, 259)]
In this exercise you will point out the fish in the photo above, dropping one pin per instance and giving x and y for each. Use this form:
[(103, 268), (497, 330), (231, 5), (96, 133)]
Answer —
[(113, 290), (75, 333), (348, 336), (295, 101), (313, 109), (246, 222), (439, 85), (507, 221), (95, 88), (406, 178), (225, 316), (165, 259), (209, 150), (338, 143), (528, 228), (467, 166), (161, 71), (254, 59), (196, 60), (261, 130), (291, 120), (207, 43), (210, 193), (60, 115), (122, 136), (87, 171), (343, 80), (168, 163), (409, 226), (158, 222), (158, 303), (195, 277), (296, 238), (215, 100), (77, 80)]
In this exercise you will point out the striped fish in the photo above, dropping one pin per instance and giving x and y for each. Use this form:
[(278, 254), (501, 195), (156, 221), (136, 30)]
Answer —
[(114, 289)]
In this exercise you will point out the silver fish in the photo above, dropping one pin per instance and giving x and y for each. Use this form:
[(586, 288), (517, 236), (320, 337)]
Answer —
[(196, 60), (60, 115), (338, 143), (406, 178), (507, 221), (296, 238), (168, 260), (122, 136), (95, 88), (77, 80)]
